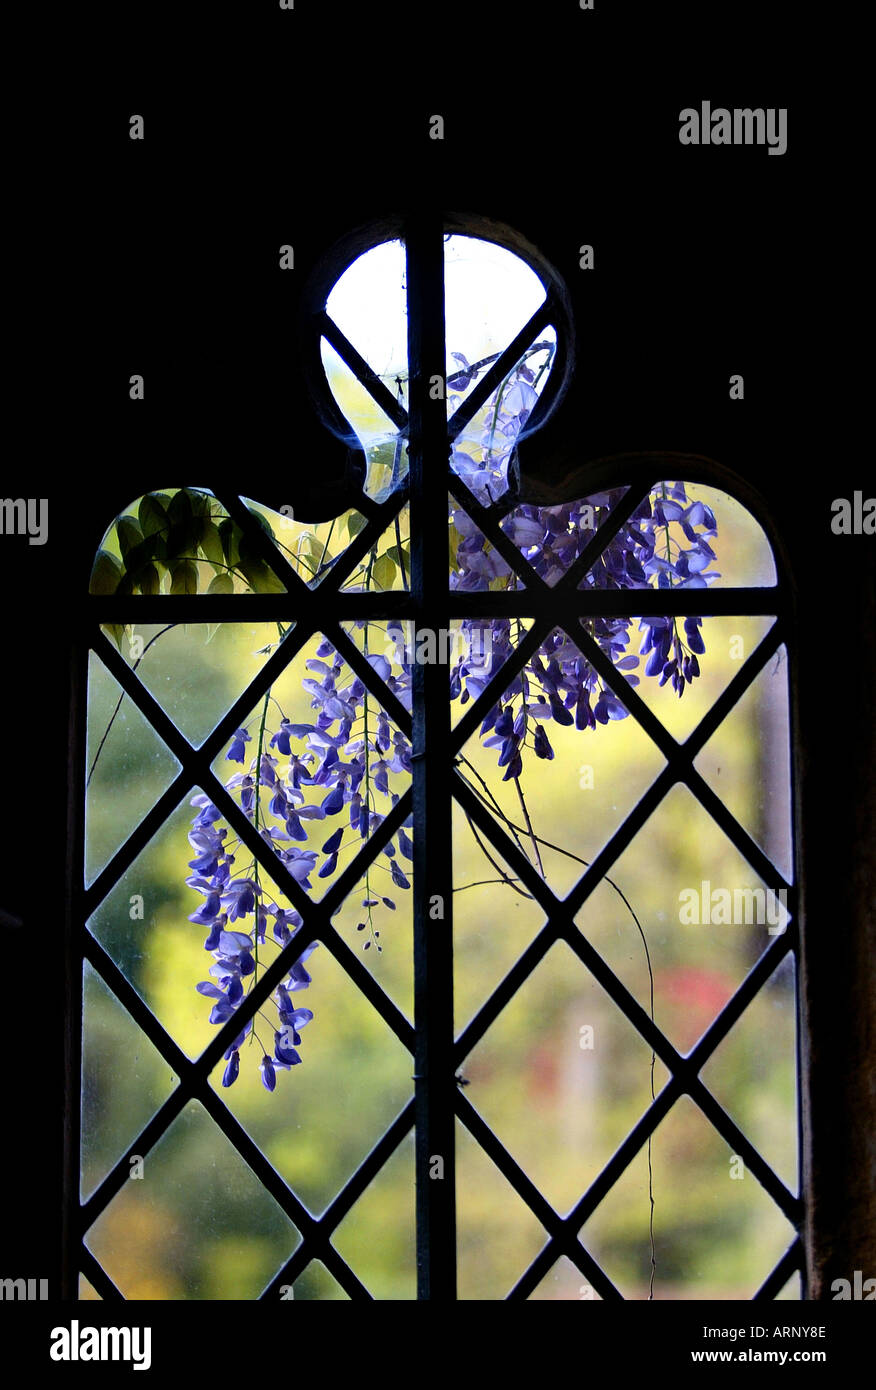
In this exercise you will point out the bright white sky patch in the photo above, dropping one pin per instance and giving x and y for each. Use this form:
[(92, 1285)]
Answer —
[(489, 293)]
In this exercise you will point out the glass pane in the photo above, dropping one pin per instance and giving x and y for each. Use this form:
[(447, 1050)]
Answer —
[(377, 1237), (384, 936), (312, 548), (497, 1234), (705, 914), (560, 790), (197, 1225), (332, 765), (490, 295), (369, 305), (128, 768), (144, 925), (561, 1077), (712, 642), (717, 1233), (493, 923), (315, 1283), (689, 536), (482, 449), (387, 564), (196, 671), (124, 1081), (476, 566), (552, 538), (753, 1073), (743, 555), (324, 1116), (372, 427), (477, 648), (564, 1281), (793, 1290), (747, 761)]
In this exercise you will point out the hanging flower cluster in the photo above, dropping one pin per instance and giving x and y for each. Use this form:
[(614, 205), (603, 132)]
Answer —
[(665, 544), (295, 778)]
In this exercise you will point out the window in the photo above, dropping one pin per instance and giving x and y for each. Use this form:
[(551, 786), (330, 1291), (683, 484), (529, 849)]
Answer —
[(558, 1014)]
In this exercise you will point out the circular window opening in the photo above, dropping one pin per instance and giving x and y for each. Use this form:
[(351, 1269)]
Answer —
[(492, 297)]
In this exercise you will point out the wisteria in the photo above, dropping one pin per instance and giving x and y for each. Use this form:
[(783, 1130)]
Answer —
[(343, 765), (297, 776), (666, 544)]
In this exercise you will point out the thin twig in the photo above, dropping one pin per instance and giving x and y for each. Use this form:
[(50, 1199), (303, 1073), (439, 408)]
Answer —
[(106, 731), (481, 882), (506, 878), (490, 798), (532, 834), (539, 839)]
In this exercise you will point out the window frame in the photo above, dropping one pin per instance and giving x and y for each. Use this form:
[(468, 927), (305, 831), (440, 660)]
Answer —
[(437, 1053)]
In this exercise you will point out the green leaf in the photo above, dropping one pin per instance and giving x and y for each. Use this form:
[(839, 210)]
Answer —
[(184, 578), (141, 553), (152, 514), (383, 571), (129, 534), (356, 522), (182, 540), (211, 543), (180, 509), (318, 553), (116, 631), (221, 584), (260, 578), (199, 501), (401, 555), (263, 522), (230, 538), (147, 580), (105, 574)]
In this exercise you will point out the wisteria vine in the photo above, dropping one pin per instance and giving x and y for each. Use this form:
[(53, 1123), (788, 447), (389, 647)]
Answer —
[(345, 765), (348, 754)]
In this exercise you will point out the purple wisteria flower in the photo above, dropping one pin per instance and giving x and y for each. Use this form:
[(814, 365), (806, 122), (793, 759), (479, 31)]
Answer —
[(666, 544), (335, 769), (236, 753)]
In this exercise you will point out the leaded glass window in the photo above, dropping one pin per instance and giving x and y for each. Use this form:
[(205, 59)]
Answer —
[(481, 801)]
